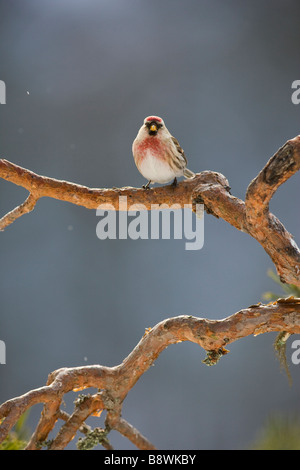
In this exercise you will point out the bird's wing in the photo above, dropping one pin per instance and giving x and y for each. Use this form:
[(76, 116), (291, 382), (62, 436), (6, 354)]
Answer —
[(179, 149)]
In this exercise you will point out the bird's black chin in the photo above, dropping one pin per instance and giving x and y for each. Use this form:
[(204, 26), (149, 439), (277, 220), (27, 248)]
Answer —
[(152, 132)]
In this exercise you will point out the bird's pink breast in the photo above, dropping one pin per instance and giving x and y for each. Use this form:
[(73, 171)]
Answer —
[(151, 144)]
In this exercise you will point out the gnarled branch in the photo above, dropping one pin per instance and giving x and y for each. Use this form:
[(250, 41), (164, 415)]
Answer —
[(211, 188), (265, 227), (114, 383)]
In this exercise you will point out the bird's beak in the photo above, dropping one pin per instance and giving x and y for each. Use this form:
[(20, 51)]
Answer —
[(153, 128)]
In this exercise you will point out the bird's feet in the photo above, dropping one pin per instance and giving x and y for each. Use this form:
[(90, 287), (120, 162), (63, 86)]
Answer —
[(174, 184), (146, 186)]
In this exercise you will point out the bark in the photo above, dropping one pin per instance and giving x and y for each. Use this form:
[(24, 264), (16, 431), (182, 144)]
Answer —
[(114, 383)]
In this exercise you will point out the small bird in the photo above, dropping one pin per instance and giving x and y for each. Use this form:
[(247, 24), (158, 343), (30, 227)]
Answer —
[(157, 154)]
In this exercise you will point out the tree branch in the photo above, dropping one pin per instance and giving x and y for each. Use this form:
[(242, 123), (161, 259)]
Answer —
[(24, 208), (209, 188), (265, 227), (114, 383)]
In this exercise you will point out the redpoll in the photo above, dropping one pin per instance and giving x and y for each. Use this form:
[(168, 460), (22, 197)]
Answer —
[(157, 154)]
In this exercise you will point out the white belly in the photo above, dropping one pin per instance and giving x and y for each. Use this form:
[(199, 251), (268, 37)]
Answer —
[(157, 170)]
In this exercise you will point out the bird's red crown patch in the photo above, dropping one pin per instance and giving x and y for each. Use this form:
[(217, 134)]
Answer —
[(154, 118)]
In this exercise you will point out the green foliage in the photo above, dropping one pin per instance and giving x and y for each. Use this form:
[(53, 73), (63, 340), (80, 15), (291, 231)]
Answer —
[(279, 433), (93, 438), (18, 437), (283, 336), (288, 289)]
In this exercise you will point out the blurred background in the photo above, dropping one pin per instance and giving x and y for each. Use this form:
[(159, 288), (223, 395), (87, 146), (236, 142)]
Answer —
[(80, 78)]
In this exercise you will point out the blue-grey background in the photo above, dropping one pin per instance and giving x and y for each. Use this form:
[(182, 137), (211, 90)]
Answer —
[(81, 76)]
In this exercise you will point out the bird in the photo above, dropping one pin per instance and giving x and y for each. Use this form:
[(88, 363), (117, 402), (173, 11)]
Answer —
[(158, 155)]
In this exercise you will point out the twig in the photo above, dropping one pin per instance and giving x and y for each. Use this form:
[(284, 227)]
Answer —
[(83, 410), (24, 208), (129, 431)]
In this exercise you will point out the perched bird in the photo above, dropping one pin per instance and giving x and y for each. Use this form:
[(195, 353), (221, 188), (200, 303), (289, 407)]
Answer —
[(157, 154)]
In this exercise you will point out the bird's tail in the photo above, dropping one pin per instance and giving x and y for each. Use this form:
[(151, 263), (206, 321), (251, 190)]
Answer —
[(188, 173)]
